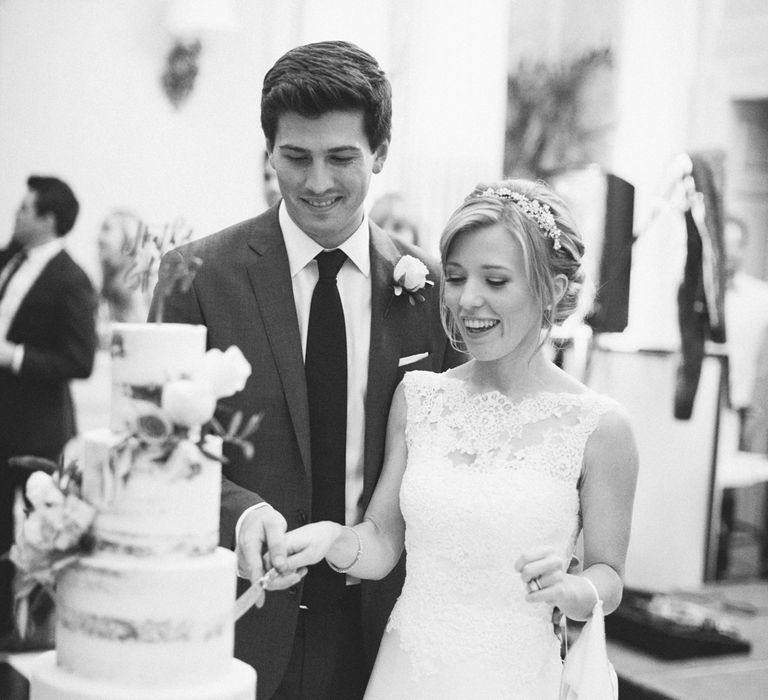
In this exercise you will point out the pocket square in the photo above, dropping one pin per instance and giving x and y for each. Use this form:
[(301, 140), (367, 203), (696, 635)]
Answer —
[(410, 359)]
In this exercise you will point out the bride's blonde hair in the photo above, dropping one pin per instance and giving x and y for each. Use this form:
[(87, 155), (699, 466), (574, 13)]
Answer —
[(540, 221)]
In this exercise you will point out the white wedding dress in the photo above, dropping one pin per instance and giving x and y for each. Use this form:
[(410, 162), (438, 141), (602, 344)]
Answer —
[(486, 480)]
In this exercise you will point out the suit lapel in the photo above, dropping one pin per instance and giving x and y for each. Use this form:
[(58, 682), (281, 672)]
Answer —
[(269, 274), (384, 351), (45, 285)]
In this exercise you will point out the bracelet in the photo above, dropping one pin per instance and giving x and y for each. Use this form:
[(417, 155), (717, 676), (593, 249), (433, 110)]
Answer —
[(343, 570)]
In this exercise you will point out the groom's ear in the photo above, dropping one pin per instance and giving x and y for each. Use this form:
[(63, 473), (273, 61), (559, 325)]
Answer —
[(379, 156)]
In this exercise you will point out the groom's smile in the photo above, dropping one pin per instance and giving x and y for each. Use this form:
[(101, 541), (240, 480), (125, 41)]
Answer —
[(324, 166)]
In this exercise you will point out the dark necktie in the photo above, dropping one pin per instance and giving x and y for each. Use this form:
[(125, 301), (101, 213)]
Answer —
[(10, 270), (325, 366)]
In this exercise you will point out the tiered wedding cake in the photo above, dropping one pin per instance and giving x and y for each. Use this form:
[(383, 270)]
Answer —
[(148, 614)]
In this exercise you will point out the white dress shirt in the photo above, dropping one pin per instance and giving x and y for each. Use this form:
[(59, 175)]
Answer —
[(18, 288), (354, 286)]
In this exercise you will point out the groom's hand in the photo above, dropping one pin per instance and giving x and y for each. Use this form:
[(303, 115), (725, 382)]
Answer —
[(262, 532)]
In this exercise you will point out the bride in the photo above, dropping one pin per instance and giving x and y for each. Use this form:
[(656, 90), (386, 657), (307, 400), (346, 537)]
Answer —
[(492, 470)]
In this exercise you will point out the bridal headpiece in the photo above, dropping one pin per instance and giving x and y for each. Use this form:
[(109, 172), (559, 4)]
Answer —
[(532, 209)]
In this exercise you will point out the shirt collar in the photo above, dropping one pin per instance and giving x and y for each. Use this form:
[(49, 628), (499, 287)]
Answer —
[(301, 248), (45, 250)]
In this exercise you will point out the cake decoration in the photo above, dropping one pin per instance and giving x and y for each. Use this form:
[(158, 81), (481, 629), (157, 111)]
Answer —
[(126, 537)]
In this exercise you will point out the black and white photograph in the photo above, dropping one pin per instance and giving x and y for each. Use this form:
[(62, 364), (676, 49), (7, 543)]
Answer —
[(383, 349)]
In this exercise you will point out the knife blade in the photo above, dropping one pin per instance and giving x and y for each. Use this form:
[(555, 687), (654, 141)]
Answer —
[(245, 602)]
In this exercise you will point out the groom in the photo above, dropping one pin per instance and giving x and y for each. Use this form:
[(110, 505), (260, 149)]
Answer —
[(307, 291)]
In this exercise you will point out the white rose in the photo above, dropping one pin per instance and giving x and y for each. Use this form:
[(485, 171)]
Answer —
[(78, 516), (42, 526), (32, 532), (42, 490), (411, 273), (226, 371), (188, 403), (79, 512)]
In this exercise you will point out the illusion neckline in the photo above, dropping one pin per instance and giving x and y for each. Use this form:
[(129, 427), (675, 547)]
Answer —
[(520, 401)]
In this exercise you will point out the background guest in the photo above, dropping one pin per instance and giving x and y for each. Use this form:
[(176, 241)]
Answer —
[(746, 323), (122, 297), (47, 337), (389, 211)]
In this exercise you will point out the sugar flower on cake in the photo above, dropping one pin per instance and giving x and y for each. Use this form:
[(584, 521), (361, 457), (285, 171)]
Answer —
[(226, 371), (191, 401), (52, 529), (183, 413), (188, 402)]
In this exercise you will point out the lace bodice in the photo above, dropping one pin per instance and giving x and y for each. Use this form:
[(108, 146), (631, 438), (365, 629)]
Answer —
[(486, 479)]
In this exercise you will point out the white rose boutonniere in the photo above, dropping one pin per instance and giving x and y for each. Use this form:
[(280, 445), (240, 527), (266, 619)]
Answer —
[(410, 277)]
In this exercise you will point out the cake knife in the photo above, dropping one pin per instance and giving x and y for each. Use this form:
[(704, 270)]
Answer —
[(245, 602)]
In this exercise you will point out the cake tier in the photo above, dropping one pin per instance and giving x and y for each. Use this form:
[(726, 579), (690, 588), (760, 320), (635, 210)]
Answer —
[(144, 357), (158, 508), (146, 622), (49, 682)]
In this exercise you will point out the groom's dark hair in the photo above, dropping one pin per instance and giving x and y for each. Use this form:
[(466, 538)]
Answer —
[(329, 75)]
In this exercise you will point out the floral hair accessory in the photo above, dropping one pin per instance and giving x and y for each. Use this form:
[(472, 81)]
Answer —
[(533, 209), (410, 277)]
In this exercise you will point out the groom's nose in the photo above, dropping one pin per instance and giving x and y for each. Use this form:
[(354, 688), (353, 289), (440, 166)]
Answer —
[(319, 177)]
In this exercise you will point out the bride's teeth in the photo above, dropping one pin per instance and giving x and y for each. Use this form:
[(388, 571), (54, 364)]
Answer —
[(476, 324)]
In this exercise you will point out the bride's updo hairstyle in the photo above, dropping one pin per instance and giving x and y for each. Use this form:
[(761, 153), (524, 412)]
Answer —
[(541, 222)]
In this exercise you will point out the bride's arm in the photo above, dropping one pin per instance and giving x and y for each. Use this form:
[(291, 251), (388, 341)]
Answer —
[(374, 547), (606, 495)]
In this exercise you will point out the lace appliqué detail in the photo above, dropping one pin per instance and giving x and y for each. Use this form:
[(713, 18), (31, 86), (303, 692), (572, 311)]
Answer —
[(486, 479)]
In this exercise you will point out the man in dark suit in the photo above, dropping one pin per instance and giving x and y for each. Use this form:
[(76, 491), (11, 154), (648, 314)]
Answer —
[(326, 116), (47, 337)]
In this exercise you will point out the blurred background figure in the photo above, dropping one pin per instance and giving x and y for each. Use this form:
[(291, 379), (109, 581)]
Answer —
[(391, 213), (701, 294), (47, 338), (744, 422), (746, 320), (122, 296)]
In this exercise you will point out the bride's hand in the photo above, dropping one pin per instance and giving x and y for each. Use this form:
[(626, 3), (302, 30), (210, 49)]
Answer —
[(544, 574), (311, 543), (304, 546)]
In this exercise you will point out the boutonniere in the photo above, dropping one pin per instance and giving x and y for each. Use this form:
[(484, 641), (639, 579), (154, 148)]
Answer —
[(409, 278)]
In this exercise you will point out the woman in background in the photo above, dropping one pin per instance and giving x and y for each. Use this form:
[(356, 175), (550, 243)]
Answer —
[(122, 296)]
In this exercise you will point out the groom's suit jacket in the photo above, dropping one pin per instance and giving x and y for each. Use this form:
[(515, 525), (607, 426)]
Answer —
[(243, 294)]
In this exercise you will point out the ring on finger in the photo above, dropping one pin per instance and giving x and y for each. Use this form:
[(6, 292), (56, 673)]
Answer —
[(534, 585)]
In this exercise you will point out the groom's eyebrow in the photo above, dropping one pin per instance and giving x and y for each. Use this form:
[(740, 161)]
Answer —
[(336, 149)]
